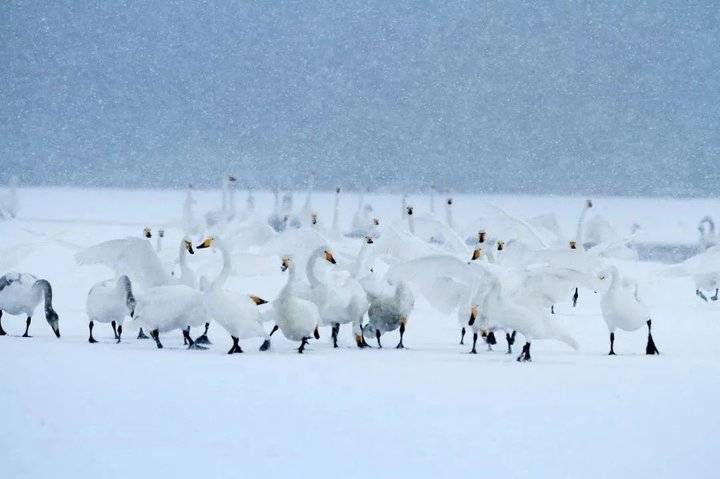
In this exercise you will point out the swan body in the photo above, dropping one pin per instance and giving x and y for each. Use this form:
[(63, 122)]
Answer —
[(21, 293), (109, 302), (297, 318), (390, 312)]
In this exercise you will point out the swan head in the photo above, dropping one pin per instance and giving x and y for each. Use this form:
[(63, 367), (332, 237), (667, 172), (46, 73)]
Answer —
[(500, 245), (337, 190), (449, 201), (369, 240), (481, 236), (207, 242), (477, 254), (572, 244), (147, 232), (588, 203), (161, 233), (188, 246), (314, 218), (473, 315), (53, 320), (327, 254), (257, 300), (376, 221), (286, 263), (409, 210)]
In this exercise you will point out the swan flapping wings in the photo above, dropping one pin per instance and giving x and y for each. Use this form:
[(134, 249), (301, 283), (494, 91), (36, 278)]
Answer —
[(134, 257)]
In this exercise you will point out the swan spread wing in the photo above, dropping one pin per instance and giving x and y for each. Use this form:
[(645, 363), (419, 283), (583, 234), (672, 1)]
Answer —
[(134, 257)]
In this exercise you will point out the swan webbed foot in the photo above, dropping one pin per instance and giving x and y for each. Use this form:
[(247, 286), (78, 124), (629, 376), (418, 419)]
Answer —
[(525, 354), (303, 343), (265, 345), (202, 339), (235, 347), (156, 336), (701, 295), (142, 335), (715, 296), (650, 348), (400, 345)]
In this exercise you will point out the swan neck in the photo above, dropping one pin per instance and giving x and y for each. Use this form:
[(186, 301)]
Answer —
[(310, 267), (336, 213), (226, 266), (47, 294), (579, 232)]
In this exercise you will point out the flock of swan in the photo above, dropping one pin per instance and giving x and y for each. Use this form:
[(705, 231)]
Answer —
[(498, 274)]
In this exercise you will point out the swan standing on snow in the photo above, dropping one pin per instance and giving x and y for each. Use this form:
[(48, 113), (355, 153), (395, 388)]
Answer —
[(339, 300), (297, 318), (621, 309), (20, 293), (166, 308), (237, 314), (110, 301), (390, 312)]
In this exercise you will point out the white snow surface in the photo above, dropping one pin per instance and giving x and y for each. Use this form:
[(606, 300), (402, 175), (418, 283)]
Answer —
[(71, 409)]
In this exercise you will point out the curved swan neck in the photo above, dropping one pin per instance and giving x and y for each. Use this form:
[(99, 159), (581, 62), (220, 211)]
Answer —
[(226, 267), (579, 232), (310, 267), (182, 259), (362, 260), (44, 285), (125, 287)]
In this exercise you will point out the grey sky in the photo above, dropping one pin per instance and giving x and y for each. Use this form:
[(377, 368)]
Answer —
[(561, 97)]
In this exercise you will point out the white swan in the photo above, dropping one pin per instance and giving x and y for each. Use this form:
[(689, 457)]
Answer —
[(165, 308), (621, 309), (237, 313), (110, 301), (297, 318), (579, 231), (214, 218), (336, 212), (340, 300), (190, 223), (20, 293)]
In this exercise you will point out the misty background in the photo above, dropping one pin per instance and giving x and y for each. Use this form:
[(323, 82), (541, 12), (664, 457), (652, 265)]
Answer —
[(563, 97)]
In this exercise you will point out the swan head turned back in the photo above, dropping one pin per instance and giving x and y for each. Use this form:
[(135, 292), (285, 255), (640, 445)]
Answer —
[(147, 232)]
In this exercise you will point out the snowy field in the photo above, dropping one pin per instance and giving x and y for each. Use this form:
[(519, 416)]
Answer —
[(71, 409)]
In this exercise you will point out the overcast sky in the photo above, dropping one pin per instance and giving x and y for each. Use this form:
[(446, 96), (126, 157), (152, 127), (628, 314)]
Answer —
[(557, 97)]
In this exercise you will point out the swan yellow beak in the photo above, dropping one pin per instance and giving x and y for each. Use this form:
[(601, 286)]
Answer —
[(257, 300), (285, 264), (473, 315), (208, 242), (329, 257), (477, 254)]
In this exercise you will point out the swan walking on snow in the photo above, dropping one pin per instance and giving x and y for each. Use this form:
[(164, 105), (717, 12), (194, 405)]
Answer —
[(297, 318), (108, 302)]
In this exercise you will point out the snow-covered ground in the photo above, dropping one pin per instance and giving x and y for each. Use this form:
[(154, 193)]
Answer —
[(71, 409)]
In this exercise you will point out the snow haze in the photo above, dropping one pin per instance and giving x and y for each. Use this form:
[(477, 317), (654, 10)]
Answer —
[(606, 97)]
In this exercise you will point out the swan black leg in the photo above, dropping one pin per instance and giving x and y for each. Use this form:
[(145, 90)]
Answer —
[(700, 293), (490, 340), (156, 336), (235, 347), (462, 336), (119, 333), (510, 338), (377, 336), (303, 343), (612, 345), (191, 344), (114, 326), (525, 354), (274, 329), (400, 345), (715, 297), (475, 338), (335, 332), (650, 348), (141, 334), (203, 338), (91, 325), (2, 331), (27, 327), (575, 297)]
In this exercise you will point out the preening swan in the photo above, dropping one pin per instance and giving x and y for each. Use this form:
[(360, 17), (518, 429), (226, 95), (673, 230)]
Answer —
[(110, 301), (21, 293)]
